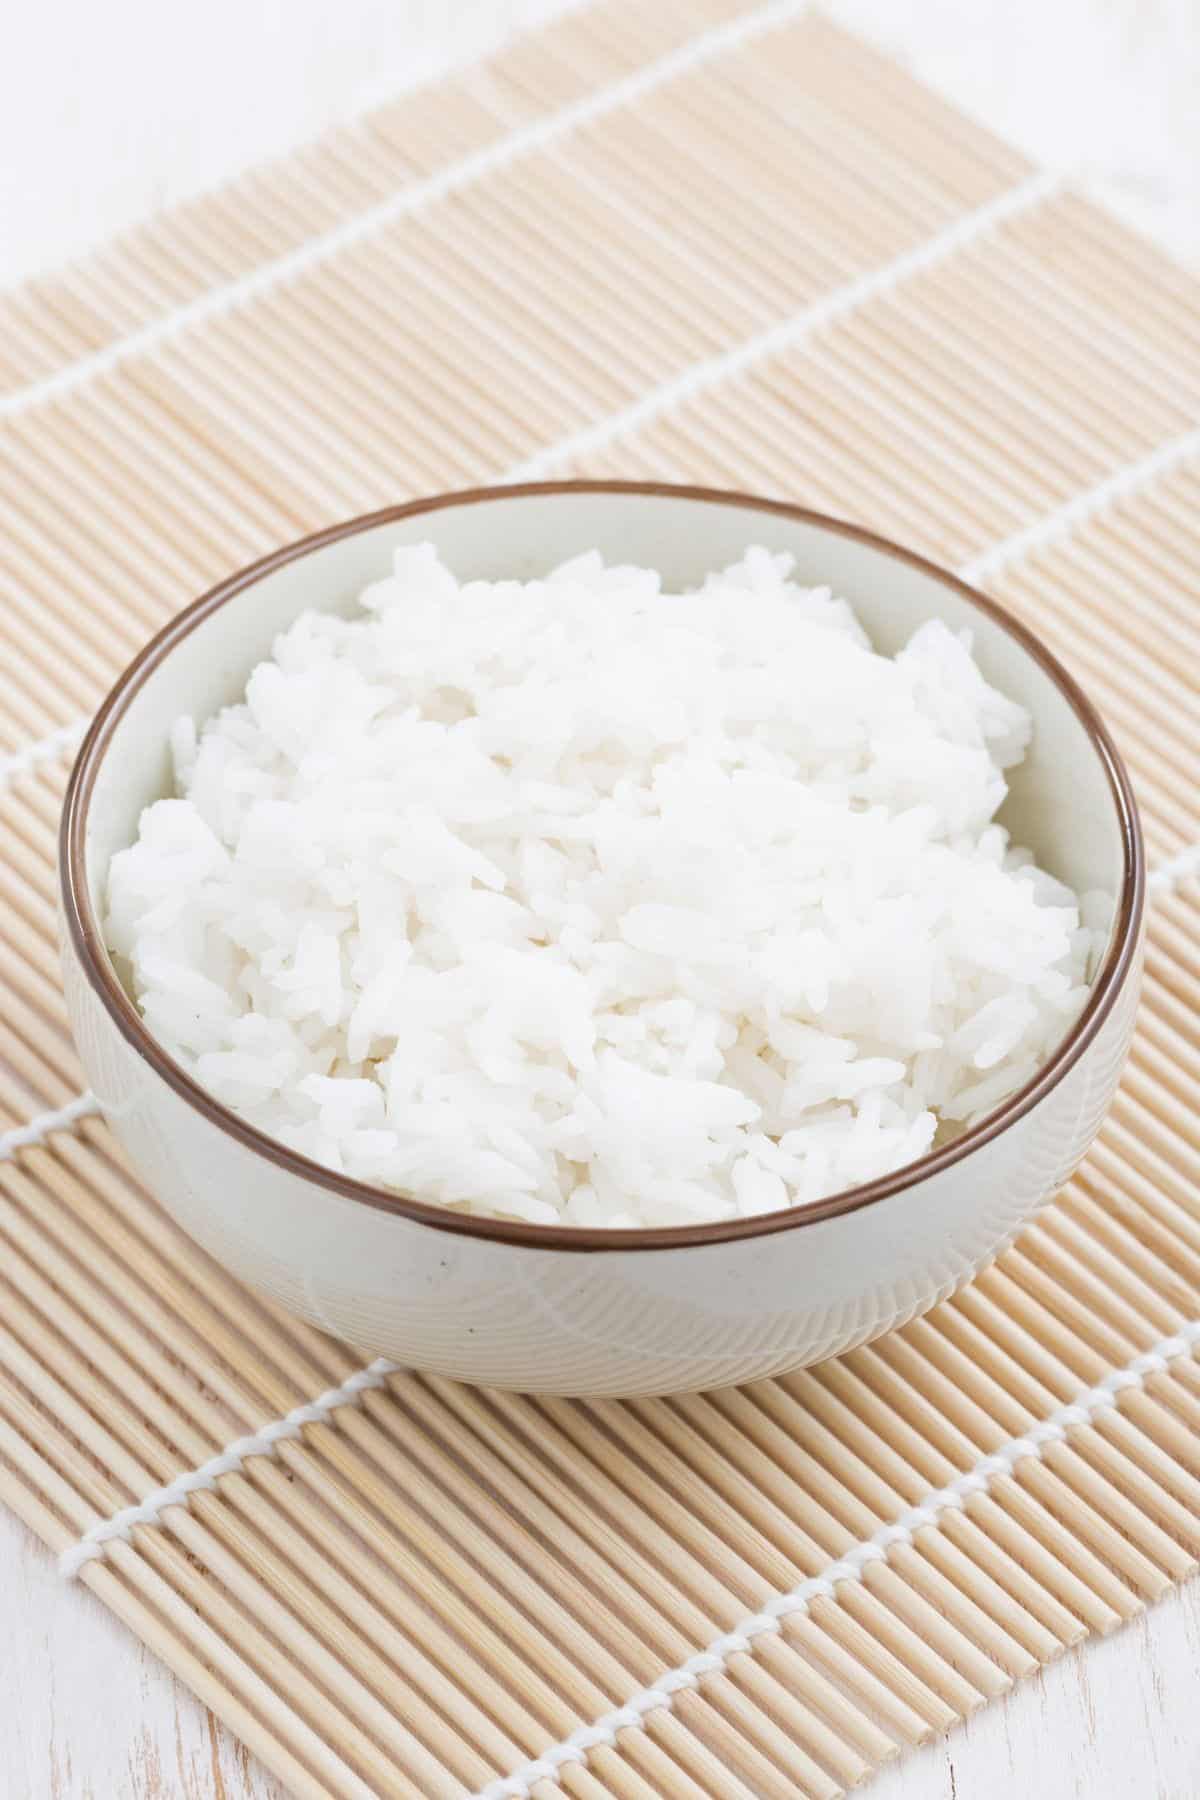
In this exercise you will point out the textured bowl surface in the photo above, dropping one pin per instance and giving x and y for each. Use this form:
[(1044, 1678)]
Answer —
[(546, 1307)]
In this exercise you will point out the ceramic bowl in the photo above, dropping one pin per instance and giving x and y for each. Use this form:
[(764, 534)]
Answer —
[(549, 1307)]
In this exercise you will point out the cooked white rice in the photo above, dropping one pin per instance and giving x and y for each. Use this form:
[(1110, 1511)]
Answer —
[(573, 900)]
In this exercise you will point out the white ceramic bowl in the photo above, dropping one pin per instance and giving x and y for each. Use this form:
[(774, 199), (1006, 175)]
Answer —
[(548, 1307)]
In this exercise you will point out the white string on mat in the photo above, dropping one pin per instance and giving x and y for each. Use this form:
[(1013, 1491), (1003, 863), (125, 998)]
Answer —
[(230, 1461), (15, 763), (44, 1124), (790, 333), (732, 34), (1167, 876), (1063, 520), (849, 1567)]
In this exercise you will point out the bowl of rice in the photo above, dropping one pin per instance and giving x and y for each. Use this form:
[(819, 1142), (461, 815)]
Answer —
[(598, 937)]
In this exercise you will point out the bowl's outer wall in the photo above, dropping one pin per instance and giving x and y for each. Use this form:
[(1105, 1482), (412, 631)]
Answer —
[(606, 1322), (563, 1319)]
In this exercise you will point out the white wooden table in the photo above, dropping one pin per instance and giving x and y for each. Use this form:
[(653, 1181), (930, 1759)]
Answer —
[(87, 1714)]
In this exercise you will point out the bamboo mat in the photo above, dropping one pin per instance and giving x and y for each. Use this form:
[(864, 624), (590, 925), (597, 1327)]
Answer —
[(683, 242)]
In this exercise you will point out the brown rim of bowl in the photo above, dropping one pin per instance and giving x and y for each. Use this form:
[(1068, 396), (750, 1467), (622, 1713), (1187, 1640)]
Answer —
[(85, 934)]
